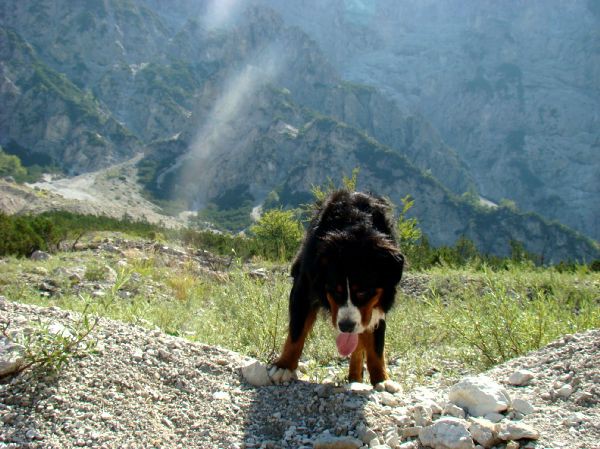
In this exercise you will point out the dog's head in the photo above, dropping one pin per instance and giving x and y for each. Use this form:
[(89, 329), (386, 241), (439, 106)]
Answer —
[(358, 272)]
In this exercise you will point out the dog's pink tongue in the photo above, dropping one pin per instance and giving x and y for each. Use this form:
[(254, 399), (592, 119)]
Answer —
[(346, 343)]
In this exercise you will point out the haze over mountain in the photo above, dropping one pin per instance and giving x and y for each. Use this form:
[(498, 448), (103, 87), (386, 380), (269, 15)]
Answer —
[(233, 106), (512, 86)]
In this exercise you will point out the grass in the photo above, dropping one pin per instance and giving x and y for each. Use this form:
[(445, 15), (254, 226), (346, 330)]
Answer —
[(459, 321)]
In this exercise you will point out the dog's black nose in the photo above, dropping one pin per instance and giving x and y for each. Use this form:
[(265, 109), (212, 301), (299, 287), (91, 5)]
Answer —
[(347, 325)]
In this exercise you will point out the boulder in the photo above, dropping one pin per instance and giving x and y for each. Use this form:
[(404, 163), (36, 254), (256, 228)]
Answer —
[(479, 395), (447, 433)]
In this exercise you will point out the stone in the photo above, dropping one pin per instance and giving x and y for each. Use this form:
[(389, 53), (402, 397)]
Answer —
[(388, 399), (512, 445), (59, 330), (221, 396), (564, 391), (11, 357), (521, 378), (360, 388), (409, 432), (332, 442), (479, 395), (522, 406), (366, 435), (484, 432), (453, 410), (255, 373), (516, 431), (38, 255), (422, 415), (574, 419), (447, 433), (409, 445)]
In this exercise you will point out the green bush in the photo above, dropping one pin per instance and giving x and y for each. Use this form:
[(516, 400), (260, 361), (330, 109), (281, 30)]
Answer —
[(278, 234)]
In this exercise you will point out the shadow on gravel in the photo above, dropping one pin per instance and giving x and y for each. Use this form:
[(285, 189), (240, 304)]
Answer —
[(298, 414), (19, 400)]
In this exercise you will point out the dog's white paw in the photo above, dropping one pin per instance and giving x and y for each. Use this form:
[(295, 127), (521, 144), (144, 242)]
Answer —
[(389, 385), (281, 375)]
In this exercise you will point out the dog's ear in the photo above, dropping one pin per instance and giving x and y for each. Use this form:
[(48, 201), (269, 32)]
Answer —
[(391, 265)]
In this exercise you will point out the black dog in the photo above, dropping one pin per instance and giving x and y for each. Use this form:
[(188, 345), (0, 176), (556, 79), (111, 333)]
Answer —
[(350, 264)]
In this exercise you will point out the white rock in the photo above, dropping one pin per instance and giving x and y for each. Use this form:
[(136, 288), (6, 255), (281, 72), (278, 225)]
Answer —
[(521, 378), (331, 442), (484, 432), (389, 399), (11, 357), (522, 406), (479, 395), (360, 388), (422, 415), (494, 417), (574, 420), (409, 445), (516, 431), (255, 373), (39, 255), (221, 396), (565, 391), (409, 432), (366, 435), (401, 419), (59, 330), (447, 433), (453, 410)]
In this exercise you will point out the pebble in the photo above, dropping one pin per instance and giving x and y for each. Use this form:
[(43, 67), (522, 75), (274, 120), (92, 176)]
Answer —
[(564, 391), (453, 410), (521, 378), (516, 431), (332, 442), (255, 373), (522, 406)]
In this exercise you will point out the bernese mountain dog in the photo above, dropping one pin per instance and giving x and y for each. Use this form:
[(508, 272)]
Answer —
[(349, 264)]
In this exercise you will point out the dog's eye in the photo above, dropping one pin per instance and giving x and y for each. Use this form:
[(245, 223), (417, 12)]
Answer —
[(365, 294)]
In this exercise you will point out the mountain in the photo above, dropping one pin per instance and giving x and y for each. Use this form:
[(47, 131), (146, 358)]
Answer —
[(513, 87), (233, 108), (47, 119)]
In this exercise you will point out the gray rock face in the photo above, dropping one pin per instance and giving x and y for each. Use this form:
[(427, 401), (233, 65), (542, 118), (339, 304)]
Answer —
[(513, 87)]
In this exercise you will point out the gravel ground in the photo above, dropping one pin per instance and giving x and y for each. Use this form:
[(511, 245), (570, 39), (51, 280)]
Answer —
[(145, 389)]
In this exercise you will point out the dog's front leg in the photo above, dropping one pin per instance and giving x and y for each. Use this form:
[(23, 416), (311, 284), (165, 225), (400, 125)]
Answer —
[(374, 343), (302, 319)]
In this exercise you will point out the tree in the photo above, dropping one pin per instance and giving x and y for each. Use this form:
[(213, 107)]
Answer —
[(278, 234), (11, 166)]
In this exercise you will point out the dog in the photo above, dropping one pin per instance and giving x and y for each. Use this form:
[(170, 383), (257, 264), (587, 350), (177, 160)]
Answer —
[(348, 264)]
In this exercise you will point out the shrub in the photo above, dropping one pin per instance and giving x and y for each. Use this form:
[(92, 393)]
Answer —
[(278, 234)]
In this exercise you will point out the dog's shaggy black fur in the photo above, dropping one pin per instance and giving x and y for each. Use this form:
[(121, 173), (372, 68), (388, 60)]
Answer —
[(349, 264)]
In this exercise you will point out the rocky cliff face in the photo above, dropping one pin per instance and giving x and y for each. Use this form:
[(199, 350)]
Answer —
[(45, 115), (513, 87)]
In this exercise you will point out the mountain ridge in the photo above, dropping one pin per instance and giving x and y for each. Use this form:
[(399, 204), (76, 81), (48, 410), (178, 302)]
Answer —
[(198, 100)]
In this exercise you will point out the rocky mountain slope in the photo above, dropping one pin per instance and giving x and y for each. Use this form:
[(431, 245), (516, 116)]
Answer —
[(513, 87), (48, 120), (231, 110)]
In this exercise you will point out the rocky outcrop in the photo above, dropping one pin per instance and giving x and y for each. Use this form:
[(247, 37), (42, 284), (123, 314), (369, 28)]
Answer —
[(512, 87), (46, 118)]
